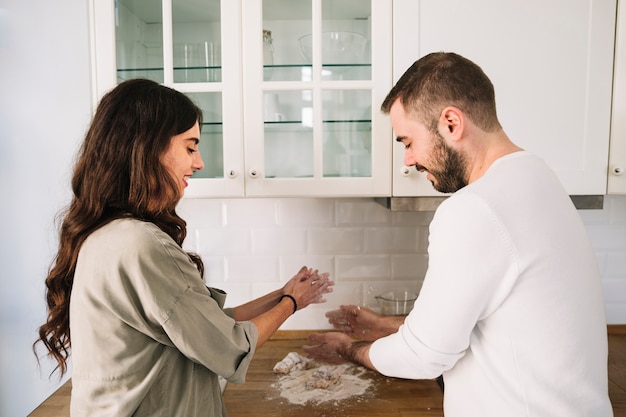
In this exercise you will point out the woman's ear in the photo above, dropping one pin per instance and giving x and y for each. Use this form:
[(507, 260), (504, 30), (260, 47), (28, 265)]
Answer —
[(451, 123)]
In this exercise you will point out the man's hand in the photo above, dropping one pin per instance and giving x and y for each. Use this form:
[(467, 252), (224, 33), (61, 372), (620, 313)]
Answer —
[(363, 323), (336, 348), (328, 347)]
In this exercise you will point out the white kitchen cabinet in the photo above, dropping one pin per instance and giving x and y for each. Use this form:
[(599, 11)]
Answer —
[(283, 116), (617, 160), (551, 65)]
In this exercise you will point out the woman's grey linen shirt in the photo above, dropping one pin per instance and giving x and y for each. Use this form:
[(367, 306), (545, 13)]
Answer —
[(148, 337)]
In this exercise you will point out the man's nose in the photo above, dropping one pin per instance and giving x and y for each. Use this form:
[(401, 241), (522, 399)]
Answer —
[(408, 158)]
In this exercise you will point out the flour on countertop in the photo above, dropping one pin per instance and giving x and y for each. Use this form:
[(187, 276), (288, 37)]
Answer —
[(307, 381)]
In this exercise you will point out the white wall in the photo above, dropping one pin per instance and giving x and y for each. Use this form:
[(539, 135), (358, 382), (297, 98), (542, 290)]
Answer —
[(249, 246), (44, 108)]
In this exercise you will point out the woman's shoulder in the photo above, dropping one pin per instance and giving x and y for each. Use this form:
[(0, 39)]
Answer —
[(131, 234), (131, 227), (135, 242)]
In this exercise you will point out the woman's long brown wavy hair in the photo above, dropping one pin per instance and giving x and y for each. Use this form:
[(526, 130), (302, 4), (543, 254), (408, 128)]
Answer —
[(118, 173)]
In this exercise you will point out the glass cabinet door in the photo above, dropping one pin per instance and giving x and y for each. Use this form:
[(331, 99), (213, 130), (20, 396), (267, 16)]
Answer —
[(196, 38), (311, 91), (179, 43), (193, 52), (298, 81), (139, 39)]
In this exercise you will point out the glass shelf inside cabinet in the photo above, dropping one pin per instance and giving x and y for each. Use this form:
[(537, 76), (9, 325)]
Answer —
[(155, 74), (181, 74), (198, 74), (304, 72), (359, 125), (286, 126)]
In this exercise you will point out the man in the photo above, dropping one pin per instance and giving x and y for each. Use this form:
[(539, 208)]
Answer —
[(511, 309)]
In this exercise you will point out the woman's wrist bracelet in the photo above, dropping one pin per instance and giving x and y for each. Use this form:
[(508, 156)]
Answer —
[(295, 305)]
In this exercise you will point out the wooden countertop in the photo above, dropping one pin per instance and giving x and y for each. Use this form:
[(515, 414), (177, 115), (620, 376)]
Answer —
[(257, 398), (386, 397), (389, 396)]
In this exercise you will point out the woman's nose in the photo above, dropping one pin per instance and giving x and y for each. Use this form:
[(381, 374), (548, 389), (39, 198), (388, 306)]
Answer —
[(198, 163)]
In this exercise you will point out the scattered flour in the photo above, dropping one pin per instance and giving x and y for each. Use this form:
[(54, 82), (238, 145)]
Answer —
[(307, 381)]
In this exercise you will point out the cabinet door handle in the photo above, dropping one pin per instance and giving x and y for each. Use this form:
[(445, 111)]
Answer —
[(618, 170), (406, 171), (232, 173), (253, 173)]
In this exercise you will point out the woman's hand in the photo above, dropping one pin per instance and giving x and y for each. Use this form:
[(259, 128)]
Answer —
[(308, 286), (269, 312)]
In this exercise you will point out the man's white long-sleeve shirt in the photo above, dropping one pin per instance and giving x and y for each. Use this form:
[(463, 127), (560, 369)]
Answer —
[(511, 310)]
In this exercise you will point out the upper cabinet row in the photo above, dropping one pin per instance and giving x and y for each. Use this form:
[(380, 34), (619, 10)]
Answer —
[(291, 89)]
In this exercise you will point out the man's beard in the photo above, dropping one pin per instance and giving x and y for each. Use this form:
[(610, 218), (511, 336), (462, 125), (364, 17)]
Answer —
[(448, 167)]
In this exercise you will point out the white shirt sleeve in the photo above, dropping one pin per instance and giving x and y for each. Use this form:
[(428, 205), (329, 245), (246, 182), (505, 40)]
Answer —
[(472, 267)]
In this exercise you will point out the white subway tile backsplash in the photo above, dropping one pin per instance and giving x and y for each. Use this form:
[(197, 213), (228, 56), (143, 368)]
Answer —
[(260, 288), (412, 218), (617, 208), (307, 212), (201, 213), (237, 294), (616, 265), (223, 242), (191, 241), (214, 270), (409, 266), (615, 313), (422, 240), (291, 264), (595, 216), (614, 290), (337, 240), (311, 318), (253, 246), (279, 241), (344, 293), (391, 240), (363, 267), (246, 269), (250, 213), (607, 237), (361, 212)]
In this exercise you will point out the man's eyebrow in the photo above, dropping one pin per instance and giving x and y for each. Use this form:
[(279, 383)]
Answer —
[(400, 138), (195, 140)]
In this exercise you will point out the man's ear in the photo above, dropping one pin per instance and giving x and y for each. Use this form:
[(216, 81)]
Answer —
[(451, 123)]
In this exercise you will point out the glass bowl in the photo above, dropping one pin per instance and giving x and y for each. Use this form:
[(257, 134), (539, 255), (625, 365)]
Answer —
[(396, 303)]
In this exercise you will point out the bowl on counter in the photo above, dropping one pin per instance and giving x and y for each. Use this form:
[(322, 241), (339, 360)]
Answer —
[(396, 302), (338, 48)]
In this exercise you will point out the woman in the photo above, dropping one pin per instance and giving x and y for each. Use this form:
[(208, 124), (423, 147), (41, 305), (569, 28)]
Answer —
[(148, 338)]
